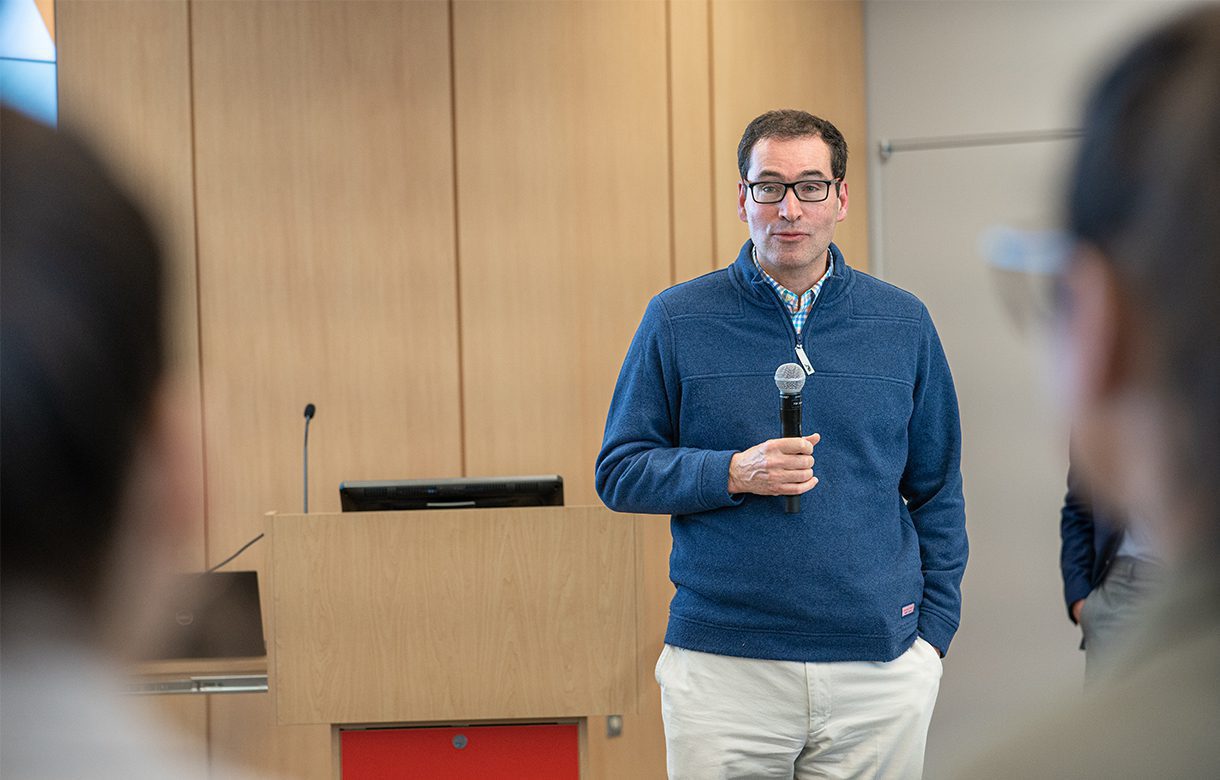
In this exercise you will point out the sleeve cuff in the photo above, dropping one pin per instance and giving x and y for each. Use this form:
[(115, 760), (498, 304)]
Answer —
[(714, 480), (936, 630), (1075, 591)]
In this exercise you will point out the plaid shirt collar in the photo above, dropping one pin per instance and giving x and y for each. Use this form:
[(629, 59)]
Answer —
[(797, 305)]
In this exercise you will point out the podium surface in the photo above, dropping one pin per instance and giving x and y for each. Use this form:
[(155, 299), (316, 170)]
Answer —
[(454, 615)]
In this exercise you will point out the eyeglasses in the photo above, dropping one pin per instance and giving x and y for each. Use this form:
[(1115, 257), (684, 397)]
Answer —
[(807, 191), (1028, 267)]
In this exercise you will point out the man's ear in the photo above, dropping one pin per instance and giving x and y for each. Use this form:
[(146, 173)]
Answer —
[(1119, 417), (1102, 330), (160, 522), (841, 196), (741, 200), (171, 478)]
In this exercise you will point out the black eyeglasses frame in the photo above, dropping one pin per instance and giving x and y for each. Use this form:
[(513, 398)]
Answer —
[(750, 185)]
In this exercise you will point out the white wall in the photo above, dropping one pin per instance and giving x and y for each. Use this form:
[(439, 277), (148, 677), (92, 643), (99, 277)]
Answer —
[(947, 70)]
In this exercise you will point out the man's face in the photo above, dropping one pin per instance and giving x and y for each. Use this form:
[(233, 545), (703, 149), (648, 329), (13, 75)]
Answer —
[(791, 236), (1109, 387)]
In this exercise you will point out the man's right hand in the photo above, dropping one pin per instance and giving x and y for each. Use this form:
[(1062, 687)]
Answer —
[(1077, 607), (777, 467)]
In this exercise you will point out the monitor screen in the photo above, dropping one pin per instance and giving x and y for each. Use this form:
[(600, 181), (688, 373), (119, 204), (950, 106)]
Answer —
[(456, 493)]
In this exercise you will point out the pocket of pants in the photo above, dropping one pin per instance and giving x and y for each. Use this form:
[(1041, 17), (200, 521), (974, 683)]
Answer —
[(1084, 621), (928, 649), (656, 672)]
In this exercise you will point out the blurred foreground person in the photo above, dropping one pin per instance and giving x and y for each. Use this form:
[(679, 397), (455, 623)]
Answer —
[(1139, 329), (1111, 568), (96, 483)]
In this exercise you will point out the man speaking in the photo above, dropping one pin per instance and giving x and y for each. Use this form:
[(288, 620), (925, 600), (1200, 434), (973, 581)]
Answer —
[(802, 643)]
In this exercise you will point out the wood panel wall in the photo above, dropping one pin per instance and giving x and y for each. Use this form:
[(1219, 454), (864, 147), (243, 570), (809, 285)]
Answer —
[(440, 222), (769, 54), (563, 204), (324, 172)]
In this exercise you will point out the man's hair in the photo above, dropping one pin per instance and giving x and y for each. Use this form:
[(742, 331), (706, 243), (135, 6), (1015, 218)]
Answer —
[(1146, 191), (80, 356), (789, 123)]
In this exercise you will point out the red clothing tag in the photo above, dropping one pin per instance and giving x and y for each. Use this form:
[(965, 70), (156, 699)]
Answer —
[(909, 609)]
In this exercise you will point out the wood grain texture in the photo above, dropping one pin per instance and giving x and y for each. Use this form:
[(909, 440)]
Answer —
[(326, 273), (563, 221), (641, 749), (325, 250), (124, 83), (244, 734), (454, 615), (180, 668), (690, 111), (564, 234), (814, 61)]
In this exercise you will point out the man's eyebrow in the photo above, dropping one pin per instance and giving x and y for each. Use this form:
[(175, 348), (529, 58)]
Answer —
[(807, 174)]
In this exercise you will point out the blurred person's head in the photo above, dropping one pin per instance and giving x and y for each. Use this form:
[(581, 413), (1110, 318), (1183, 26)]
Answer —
[(1141, 305), (92, 483)]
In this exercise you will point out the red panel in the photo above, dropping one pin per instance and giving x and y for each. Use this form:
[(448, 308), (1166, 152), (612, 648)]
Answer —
[(549, 752)]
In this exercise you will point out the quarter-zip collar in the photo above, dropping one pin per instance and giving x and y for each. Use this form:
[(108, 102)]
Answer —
[(756, 290)]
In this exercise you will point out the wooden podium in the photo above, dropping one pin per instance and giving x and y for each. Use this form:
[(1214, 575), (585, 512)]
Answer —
[(473, 616)]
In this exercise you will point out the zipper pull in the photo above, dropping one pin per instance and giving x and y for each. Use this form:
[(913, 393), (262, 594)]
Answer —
[(800, 353)]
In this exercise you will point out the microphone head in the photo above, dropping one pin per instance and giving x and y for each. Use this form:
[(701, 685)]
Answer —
[(790, 379), (310, 409)]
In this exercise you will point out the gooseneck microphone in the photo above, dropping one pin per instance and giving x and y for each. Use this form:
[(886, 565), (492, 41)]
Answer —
[(790, 379), (310, 410)]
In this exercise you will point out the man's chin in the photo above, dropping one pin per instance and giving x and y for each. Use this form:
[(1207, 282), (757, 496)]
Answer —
[(798, 255)]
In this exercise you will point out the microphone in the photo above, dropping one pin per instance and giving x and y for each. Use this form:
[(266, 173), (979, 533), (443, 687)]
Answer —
[(310, 410), (790, 379)]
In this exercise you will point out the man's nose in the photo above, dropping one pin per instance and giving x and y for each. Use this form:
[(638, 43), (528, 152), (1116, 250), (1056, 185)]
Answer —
[(790, 208)]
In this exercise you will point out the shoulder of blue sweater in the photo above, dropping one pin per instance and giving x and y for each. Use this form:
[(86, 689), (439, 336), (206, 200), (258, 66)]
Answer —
[(710, 294), (872, 297)]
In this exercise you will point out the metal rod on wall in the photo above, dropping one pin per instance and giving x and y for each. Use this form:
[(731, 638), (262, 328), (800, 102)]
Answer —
[(887, 148)]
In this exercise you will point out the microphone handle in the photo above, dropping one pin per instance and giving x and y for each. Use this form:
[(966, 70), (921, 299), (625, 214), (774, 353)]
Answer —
[(790, 425)]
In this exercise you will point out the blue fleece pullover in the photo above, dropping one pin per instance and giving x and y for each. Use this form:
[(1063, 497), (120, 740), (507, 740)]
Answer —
[(876, 555)]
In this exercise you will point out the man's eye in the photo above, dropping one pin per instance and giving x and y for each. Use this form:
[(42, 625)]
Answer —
[(811, 188), (769, 189)]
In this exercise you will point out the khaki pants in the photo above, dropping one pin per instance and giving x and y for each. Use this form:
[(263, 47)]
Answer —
[(729, 717), (1107, 614)]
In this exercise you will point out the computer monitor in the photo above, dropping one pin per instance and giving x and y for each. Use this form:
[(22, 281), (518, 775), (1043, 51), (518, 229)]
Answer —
[(456, 493)]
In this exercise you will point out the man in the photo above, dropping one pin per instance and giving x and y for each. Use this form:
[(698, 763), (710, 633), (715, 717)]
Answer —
[(1139, 328), (1111, 570), (804, 643), (96, 468)]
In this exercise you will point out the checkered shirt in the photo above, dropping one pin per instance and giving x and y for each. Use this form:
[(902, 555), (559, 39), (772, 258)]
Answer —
[(798, 306)]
